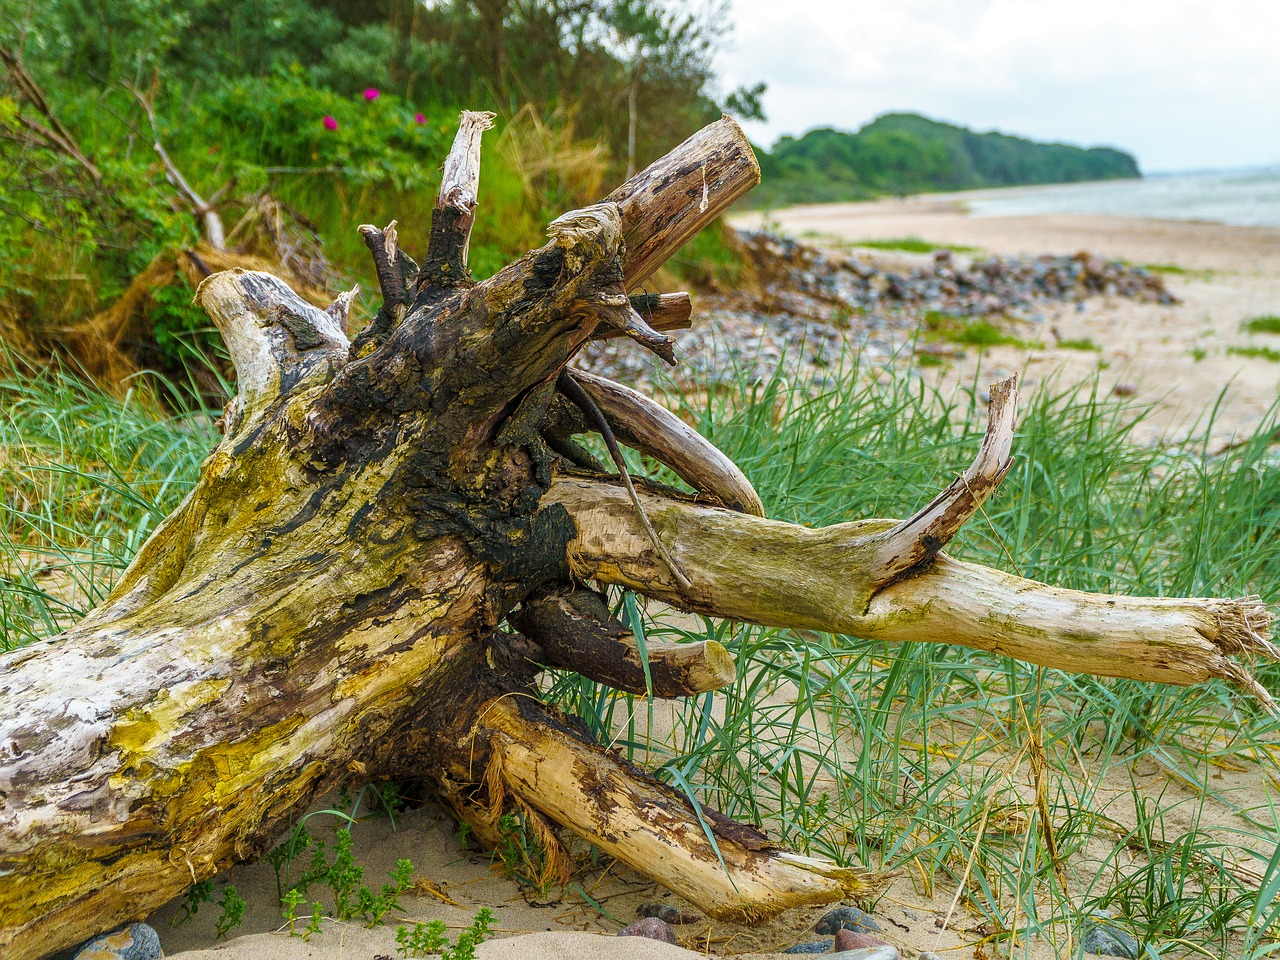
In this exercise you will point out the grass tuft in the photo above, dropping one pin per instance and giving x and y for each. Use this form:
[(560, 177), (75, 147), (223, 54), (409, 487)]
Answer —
[(1256, 353), (1268, 323), (912, 245)]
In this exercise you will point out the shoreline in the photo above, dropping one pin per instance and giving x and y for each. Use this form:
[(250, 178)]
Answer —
[(1179, 361)]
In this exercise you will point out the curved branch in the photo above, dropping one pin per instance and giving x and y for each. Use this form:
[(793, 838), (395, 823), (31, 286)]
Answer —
[(918, 539), (277, 341), (658, 433), (576, 632), (654, 829), (781, 574)]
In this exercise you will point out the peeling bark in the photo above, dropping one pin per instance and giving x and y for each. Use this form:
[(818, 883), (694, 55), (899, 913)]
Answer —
[(339, 589)]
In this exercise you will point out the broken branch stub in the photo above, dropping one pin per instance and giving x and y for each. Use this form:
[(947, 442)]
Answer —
[(665, 204), (576, 631), (445, 265)]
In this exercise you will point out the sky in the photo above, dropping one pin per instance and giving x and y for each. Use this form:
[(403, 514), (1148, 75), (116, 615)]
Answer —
[(1181, 84)]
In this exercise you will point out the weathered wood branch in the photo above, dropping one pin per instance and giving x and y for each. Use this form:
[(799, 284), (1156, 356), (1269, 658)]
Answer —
[(278, 342), (642, 424), (445, 265), (661, 311), (214, 232), (650, 827), (909, 544), (664, 205), (575, 630), (832, 579)]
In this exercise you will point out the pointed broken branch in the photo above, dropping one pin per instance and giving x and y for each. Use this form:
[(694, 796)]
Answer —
[(660, 311), (918, 539), (445, 265)]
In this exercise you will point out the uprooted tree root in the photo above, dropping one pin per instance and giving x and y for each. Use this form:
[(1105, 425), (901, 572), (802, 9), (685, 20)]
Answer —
[(394, 538)]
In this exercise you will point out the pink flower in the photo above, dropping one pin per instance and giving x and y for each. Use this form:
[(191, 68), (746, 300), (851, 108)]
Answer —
[(330, 123), (371, 93), (419, 118)]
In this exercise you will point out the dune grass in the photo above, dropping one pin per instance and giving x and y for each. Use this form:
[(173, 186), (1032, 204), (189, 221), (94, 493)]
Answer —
[(1253, 352), (911, 245), (1026, 796), (1267, 323)]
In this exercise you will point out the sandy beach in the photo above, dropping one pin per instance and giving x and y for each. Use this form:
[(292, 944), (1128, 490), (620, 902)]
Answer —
[(1179, 359), (1176, 358)]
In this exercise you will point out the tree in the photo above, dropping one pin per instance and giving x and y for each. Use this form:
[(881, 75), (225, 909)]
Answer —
[(649, 34), (395, 535)]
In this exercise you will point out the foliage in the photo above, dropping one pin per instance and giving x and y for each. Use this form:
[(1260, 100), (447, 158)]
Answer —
[(233, 906), (341, 874), (970, 332), (903, 153), (429, 938), (1267, 323), (1256, 353), (912, 245)]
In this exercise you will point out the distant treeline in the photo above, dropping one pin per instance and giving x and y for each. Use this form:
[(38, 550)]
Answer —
[(902, 153)]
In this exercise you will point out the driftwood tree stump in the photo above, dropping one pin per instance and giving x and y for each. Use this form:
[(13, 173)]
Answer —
[(394, 537)]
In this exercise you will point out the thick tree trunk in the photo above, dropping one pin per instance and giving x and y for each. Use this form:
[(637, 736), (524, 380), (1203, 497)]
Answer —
[(330, 597)]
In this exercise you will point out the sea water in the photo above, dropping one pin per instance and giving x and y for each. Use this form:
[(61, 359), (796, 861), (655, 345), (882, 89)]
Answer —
[(1248, 198)]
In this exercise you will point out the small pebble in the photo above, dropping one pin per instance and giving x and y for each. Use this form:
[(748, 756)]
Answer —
[(820, 946), (137, 941), (666, 913), (847, 918), (869, 953), (1124, 389), (856, 940), (652, 928), (1109, 941)]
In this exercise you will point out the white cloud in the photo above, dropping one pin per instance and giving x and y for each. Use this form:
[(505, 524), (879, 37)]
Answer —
[(1181, 83)]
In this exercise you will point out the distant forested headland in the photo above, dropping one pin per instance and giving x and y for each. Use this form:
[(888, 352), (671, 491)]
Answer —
[(901, 153)]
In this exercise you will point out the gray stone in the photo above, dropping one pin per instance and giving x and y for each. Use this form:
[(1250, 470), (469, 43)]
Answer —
[(137, 941), (857, 940), (651, 928), (820, 946), (1105, 940), (869, 953), (847, 918)]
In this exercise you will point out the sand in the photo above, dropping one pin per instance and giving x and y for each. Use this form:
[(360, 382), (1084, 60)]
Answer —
[(1177, 361), (1234, 274)]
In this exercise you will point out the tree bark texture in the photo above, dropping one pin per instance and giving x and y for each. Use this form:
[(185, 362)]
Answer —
[(388, 545)]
